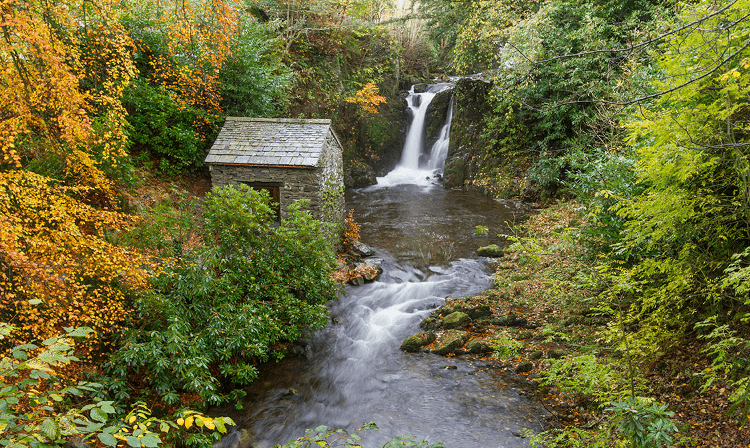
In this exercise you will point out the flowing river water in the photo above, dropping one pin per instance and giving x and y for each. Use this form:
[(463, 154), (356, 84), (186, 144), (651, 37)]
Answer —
[(353, 371)]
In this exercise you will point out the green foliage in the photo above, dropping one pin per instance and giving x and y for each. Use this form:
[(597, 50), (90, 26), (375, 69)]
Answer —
[(322, 436), (587, 376), (575, 437), (255, 82), (644, 423), (529, 248), (728, 352), (505, 346), (165, 228), (38, 408), (162, 130), (685, 235), (250, 289), (548, 74), (47, 421), (633, 423)]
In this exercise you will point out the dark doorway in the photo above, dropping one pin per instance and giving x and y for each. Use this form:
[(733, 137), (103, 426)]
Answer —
[(273, 191)]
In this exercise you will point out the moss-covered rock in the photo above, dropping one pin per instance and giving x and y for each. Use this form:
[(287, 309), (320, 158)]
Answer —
[(478, 346), (473, 306), (431, 323), (450, 341), (416, 342), (525, 367), (359, 174), (456, 320), (493, 250)]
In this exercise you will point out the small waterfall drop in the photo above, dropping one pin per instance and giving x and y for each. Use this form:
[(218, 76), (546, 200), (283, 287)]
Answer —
[(439, 150), (409, 170)]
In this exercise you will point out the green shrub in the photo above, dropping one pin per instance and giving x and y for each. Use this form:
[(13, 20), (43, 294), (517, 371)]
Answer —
[(240, 298), (161, 130)]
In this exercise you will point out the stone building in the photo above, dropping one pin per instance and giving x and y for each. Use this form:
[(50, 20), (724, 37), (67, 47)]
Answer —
[(290, 158)]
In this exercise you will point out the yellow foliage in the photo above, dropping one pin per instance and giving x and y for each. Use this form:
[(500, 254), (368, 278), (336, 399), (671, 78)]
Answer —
[(56, 269)]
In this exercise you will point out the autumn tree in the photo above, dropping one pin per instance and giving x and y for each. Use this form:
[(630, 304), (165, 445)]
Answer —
[(64, 65)]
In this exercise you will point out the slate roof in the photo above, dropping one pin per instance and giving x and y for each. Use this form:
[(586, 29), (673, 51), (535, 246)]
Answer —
[(269, 141)]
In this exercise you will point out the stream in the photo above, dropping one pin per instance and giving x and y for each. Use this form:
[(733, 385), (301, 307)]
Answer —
[(353, 371)]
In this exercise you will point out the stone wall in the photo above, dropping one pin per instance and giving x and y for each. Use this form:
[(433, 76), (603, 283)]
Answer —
[(293, 183), (331, 181)]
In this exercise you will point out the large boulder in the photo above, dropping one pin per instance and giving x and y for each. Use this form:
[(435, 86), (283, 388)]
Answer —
[(470, 148), (450, 341), (416, 342), (456, 320)]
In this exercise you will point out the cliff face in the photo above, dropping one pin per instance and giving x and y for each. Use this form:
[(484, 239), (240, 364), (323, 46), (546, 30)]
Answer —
[(468, 148)]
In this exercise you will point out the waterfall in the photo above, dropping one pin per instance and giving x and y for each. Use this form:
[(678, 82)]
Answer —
[(418, 104), (409, 170), (439, 150)]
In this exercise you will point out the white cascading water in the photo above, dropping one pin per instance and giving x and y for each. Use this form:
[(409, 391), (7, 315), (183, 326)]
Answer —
[(439, 151), (409, 170)]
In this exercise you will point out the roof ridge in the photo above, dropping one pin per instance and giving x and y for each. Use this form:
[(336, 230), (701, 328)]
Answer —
[(283, 120)]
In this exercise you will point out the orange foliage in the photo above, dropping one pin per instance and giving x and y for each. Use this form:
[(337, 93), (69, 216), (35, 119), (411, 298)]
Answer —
[(198, 36), (63, 67), (44, 111), (367, 98), (351, 232)]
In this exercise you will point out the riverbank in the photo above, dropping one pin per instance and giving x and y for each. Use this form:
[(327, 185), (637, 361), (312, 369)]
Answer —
[(540, 321)]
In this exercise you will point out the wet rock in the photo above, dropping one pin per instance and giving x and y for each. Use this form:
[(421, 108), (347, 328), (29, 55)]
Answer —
[(237, 438), (450, 341), (524, 367), (362, 250), (357, 281), (369, 271), (359, 175), (416, 342), (429, 324), (300, 349), (493, 250), (291, 392), (478, 346), (456, 320)]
